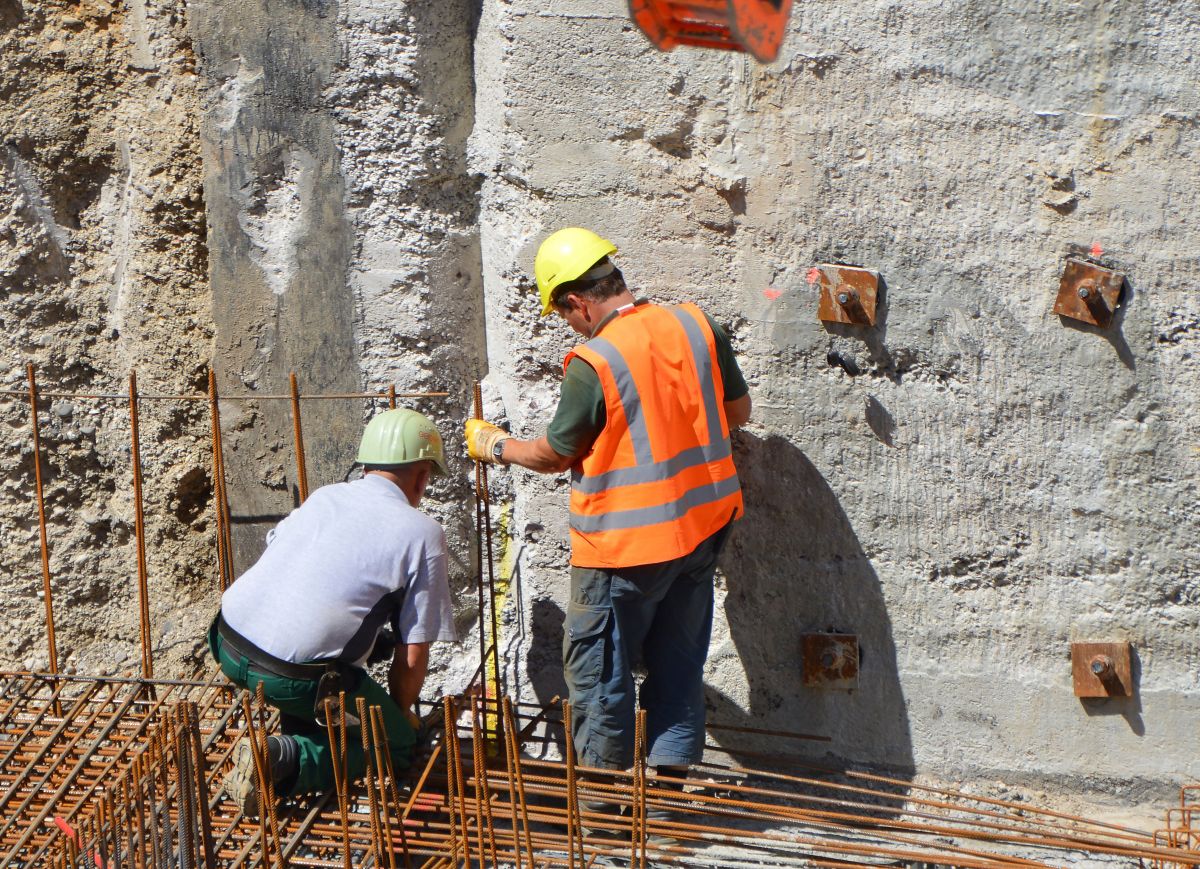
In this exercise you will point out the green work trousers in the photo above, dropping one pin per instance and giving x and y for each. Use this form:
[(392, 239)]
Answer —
[(294, 698)]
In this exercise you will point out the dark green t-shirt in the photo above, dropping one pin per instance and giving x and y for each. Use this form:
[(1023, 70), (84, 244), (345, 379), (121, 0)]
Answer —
[(581, 416)]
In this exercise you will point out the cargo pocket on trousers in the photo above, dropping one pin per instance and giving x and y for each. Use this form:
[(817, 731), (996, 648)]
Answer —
[(583, 645)]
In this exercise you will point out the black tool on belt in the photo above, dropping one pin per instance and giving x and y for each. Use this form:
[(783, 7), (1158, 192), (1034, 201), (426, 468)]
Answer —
[(330, 686)]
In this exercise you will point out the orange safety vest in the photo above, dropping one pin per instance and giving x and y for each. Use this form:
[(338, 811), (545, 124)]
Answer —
[(659, 478)]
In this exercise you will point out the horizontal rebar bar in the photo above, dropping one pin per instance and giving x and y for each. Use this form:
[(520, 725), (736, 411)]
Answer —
[(117, 396)]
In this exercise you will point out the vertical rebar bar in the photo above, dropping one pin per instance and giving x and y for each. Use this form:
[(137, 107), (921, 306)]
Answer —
[(146, 801), (130, 829), (394, 789), (379, 744), (483, 797), (192, 718), (158, 771), (298, 431), (572, 791), (41, 507), (513, 734), (183, 791), (109, 809), (364, 726), (218, 475), (267, 793), (339, 771), (447, 732), (454, 756), (391, 394), (639, 791), (259, 764), (140, 530), (487, 567), (510, 768)]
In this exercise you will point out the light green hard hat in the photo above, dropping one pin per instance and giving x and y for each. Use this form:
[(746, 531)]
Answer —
[(400, 436)]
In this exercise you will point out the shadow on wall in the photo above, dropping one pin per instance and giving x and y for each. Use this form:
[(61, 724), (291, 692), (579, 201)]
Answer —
[(794, 566), (544, 661)]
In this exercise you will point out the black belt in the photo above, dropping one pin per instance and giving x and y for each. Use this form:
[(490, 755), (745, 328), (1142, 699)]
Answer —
[(261, 660)]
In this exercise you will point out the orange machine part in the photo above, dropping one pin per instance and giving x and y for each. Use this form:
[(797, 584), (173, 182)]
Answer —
[(754, 26)]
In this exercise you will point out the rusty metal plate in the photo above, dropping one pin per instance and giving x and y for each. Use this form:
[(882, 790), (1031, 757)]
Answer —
[(848, 295), (1089, 293), (829, 660), (1102, 669)]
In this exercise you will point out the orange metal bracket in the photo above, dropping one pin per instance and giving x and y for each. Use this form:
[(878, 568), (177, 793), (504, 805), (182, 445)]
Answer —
[(829, 660), (754, 26), (1102, 669), (848, 295), (1089, 293)]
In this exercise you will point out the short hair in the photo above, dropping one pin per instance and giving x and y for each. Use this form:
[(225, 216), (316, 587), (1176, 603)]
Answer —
[(404, 469), (612, 284)]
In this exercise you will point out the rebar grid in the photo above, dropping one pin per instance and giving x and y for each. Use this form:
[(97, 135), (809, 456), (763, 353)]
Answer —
[(150, 796)]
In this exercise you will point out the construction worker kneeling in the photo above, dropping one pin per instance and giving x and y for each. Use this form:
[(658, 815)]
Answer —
[(352, 561)]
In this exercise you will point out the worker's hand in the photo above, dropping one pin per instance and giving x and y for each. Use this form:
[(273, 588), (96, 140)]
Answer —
[(482, 438)]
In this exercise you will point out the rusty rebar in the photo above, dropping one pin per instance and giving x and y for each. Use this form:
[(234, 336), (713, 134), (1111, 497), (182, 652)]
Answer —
[(478, 712), (365, 729), (196, 760), (41, 510), (572, 792), (393, 787), (261, 775), (116, 396), (298, 433), (454, 759), (484, 502), (638, 837), (337, 751), (510, 763), (140, 531), (224, 558), (378, 744)]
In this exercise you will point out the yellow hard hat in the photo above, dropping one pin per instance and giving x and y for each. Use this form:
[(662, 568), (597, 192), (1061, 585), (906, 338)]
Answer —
[(565, 256)]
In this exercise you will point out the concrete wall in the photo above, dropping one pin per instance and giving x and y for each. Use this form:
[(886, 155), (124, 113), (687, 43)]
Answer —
[(343, 237), (972, 484), (102, 270)]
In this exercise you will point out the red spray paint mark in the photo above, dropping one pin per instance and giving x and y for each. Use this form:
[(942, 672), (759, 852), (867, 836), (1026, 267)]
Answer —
[(1097, 250), (814, 275), (772, 293), (69, 831)]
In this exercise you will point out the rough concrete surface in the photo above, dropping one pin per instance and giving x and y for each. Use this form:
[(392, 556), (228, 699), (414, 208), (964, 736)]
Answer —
[(974, 483), (967, 487), (102, 270)]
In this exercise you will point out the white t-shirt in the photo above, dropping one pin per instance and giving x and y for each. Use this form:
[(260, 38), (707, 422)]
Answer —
[(352, 558)]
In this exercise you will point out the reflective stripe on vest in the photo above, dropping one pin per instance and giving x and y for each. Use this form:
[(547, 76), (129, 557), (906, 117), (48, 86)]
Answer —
[(647, 510), (640, 516), (629, 398)]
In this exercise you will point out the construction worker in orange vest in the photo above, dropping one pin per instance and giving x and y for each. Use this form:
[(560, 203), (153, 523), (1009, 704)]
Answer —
[(643, 422)]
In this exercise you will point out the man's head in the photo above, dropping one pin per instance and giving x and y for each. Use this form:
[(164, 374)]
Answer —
[(405, 446), (574, 274)]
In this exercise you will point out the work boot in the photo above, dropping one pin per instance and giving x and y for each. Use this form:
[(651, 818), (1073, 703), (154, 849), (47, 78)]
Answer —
[(658, 816), (604, 812), (241, 784)]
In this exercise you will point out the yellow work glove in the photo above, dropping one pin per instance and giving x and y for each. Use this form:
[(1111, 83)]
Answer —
[(482, 438)]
